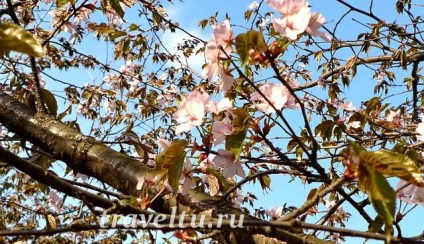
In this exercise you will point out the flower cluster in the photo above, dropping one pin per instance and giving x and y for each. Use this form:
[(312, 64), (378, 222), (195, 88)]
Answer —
[(278, 96), (219, 47), (297, 19), (193, 108)]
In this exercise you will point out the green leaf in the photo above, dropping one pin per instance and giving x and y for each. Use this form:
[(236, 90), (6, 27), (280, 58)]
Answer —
[(50, 101), (381, 195), (247, 41), (265, 182), (171, 160), (235, 142), (393, 164), (325, 129), (16, 38), (221, 179), (60, 3), (117, 7), (375, 225), (169, 156)]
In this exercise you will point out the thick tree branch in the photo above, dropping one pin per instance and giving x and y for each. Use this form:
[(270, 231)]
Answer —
[(86, 155)]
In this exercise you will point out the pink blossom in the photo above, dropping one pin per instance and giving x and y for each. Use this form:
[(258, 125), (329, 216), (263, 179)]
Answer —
[(217, 107), (411, 194), (55, 200), (222, 37), (190, 114), (129, 68), (275, 212), (395, 118), (287, 7), (82, 15), (292, 25), (277, 94), (187, 178), (221, 129), (145, 181), (254, 5), (163, 143), (48, 1), (192, 111), (239, 199), (167, 97), (113, 80), (82, 109), (316, 22), (231, 166), (110, 105), (134, 84)]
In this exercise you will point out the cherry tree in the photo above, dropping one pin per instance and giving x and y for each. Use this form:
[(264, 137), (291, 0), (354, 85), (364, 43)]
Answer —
[(101, 120)]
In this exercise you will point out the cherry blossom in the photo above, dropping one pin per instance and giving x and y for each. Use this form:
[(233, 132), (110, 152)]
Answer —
[(316, 21), (55, 200), (275, 212), (129, 68), (277, 94), (287, 7), (395, 118), (167, 97), (192, 111), (187, 178), (222, 37), (48, 1), (297, 19), (227, 160), (83, 177), (410, 193), (254, 5), (110, 105), (217, 107), (134, 84), (292, 25), (239, 199), (221, 129), (82, 15), (82, 109), (113, 80)]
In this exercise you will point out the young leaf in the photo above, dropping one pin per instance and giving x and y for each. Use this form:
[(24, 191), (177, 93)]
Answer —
[(174, 153), (50, 101), (15, 38), (381, 195), (394, 164), (171, 160), (117, 7), (235, 142), (248, 41)]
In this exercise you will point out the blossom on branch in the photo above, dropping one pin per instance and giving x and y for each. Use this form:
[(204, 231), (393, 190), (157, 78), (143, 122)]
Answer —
[(222, 37), (292, 25), (410, 193), (228, 161), (278, 96), (297, 18)]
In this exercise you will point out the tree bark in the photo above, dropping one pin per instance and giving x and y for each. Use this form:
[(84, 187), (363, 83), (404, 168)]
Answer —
[(86, 155)]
